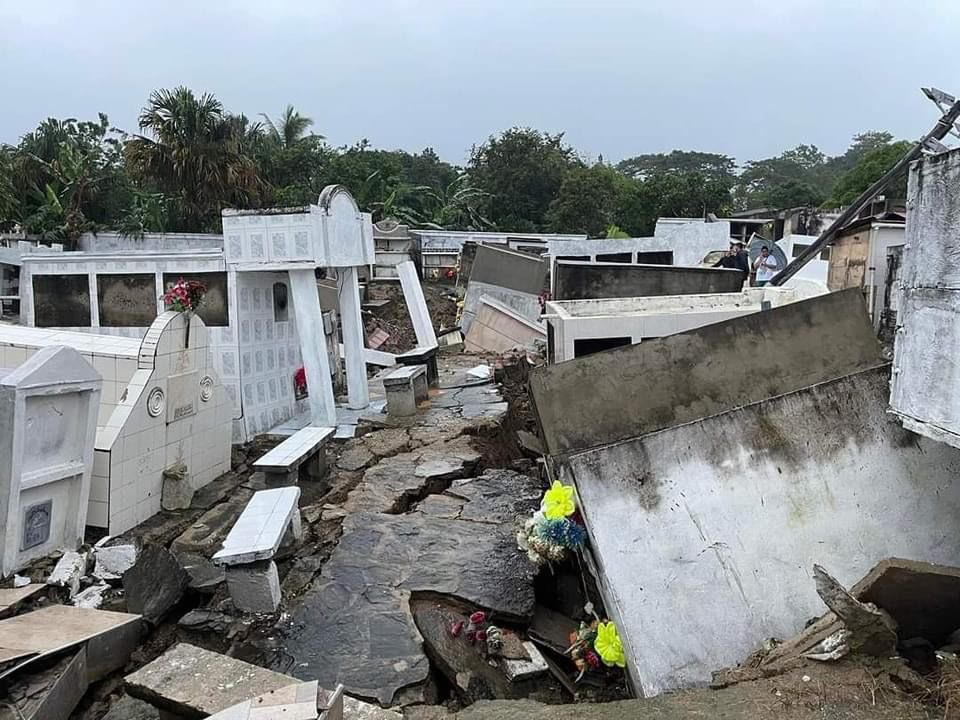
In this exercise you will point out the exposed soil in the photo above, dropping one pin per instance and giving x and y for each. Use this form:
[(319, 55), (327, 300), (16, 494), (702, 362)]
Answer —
[(394, 319)]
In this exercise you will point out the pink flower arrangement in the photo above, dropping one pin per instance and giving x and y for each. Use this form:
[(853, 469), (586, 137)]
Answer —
[(185, 295)]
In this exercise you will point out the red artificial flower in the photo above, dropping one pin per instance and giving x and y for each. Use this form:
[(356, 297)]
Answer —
[(456, 628), (593, 660), (478, 617)]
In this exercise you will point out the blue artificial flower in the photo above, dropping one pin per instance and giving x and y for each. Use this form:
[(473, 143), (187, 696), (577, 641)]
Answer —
[(564, 532)]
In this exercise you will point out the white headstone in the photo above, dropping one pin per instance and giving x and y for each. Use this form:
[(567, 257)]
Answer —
[(48, 420)]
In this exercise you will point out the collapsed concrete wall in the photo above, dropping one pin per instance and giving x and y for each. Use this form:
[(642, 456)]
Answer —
[(925, 392), (705, 533), (514, 270), (514, 279), (667, 381), (592, 281)]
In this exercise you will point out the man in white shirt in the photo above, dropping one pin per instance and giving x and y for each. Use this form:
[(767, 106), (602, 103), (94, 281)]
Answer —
[(766, 266)]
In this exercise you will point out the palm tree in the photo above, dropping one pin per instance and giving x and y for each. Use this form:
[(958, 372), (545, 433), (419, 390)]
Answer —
[(456, 207), (289, 128), (195, 154)]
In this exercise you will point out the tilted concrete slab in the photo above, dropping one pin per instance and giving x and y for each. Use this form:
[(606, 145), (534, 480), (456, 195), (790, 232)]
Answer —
[(586, 281), (705, 533), (661, 383)]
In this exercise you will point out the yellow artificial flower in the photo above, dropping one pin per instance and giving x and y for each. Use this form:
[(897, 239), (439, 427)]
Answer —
[(558, 501), (608, 645)]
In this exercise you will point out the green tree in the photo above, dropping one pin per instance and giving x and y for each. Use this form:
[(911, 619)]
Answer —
[(63, 178), (869, 168), (521, 170), (458, 206), (9, 202), (195, 155), (427, 169), (585, 202), (710, 165), (290, 128), (795, 178), (861, 144), (677, 194)]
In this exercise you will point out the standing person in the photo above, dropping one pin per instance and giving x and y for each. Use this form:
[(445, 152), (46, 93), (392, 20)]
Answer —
[(735, 259), (766, 266), (742, 260)]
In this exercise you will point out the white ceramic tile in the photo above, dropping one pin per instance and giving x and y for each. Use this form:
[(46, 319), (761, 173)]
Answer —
[(98, 513)]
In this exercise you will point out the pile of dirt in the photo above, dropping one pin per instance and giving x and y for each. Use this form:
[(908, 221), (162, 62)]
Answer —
[(392, 317)]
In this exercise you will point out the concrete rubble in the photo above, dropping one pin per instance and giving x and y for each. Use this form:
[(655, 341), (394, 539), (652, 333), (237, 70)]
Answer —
[(155, 583), (188, 681)]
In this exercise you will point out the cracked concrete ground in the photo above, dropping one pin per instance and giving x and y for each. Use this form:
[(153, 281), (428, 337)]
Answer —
[(416, 521)]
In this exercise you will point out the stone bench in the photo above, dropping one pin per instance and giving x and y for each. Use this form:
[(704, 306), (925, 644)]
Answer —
[(405, 387), (281, 466), (252, 542), (422, 356)]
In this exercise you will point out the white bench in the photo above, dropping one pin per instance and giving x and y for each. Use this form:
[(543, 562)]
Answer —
[(405, 388), (305, 447), (252, 542)]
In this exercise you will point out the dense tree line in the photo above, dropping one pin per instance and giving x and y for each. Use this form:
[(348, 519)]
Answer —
[(191, 157)]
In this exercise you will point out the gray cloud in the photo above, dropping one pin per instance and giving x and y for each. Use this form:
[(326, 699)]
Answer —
[(620, 78)]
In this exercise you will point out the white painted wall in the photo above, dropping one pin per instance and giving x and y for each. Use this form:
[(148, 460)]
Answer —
[(705, 534), (925, 392), (816, 269), (651, 317)]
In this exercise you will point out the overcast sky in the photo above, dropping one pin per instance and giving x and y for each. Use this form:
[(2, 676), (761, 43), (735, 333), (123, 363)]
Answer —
[(748, 79)]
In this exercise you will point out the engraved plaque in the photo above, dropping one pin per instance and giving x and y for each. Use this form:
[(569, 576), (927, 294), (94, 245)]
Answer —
[(36, 524), (182, 393)]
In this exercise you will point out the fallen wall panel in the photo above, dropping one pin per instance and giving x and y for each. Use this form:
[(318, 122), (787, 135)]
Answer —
[(925, 391), (590, 281), (705, 534), (667, 381)]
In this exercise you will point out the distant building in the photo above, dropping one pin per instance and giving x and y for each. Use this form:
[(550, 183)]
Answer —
[(866, 254)]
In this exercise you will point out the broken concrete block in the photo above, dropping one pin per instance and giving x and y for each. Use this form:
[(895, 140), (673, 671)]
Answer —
[(205, 577), (872, 631), (31, 637), (177, 488), (296, 702), (20, 581), (91, 597), (530, 443), (474, 674), (923, 598), (480, 372), (254, 587), (206, 621), (520, 669), (192, 682), (128, 708), (11, 598), (50, 693), (189, 681), (110, 563), (155, 583), (68, 571)]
